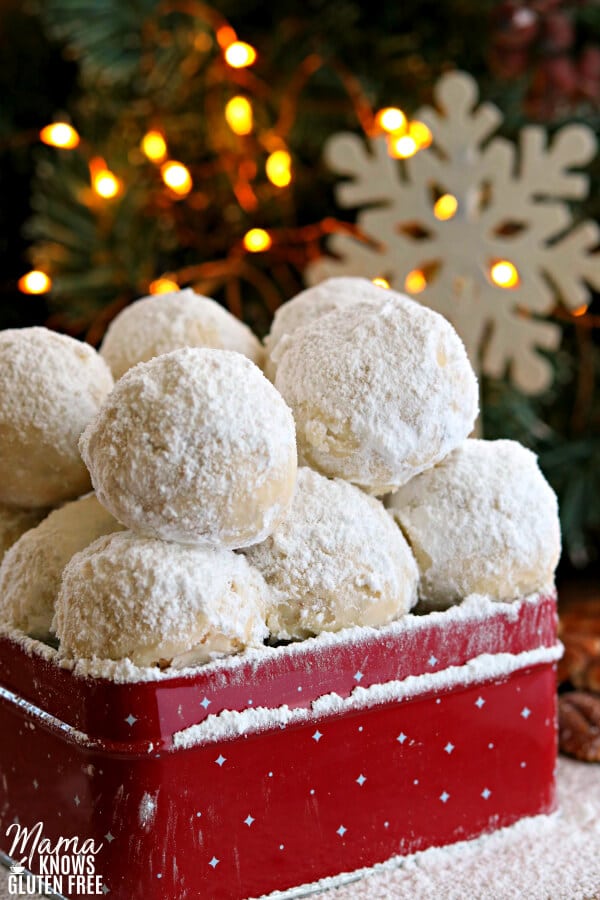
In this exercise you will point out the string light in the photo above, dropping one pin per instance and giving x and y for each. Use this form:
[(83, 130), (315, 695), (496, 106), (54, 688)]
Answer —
[(238, 114), (381, 282), (390, 119), (225, 36), (177, 177), (59, 134), (239, 55), (402, 147), (154, 146), (35, 282), (581, 310), (445, 207), (420, 134), (104, 182), (278, 168), (415, 282), (504, 274), (257, 240), (163, 286)]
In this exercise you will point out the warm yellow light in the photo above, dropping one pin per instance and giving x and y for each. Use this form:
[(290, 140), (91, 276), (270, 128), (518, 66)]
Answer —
[(257, 239), (391, 119), (106, 184), (239, 55), (445, 207), (59, 134), (238, 114), (154, 146), (177, 177), (225, 36), (504, 274), (278, 168), (163, 286), (420, 134), (35, 282), (580, 311), (402, 147), (415, 282), (381, 282)]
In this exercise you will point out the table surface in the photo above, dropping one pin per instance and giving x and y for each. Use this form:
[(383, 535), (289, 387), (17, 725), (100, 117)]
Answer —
[(548, 858)]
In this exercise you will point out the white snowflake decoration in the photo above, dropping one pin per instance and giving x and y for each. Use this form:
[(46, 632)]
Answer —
[(511, 206)]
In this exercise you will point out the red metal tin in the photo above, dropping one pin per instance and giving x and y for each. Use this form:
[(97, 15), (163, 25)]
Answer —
[(285, 803)]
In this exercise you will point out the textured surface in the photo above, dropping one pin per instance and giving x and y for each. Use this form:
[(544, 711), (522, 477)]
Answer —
[(135, 597), (31, 570), (483, 521), (50, 387), (15, 522), (196, 446), (379, 393), (155, 325), (335, 561)]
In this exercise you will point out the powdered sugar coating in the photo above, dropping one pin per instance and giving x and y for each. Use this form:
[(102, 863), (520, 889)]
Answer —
[(483, 521), (336, 560), (379, 392), (15, 522), (147, 600), (50, 387), (158, 324), (194, 446), (308, 305), (32, 569)]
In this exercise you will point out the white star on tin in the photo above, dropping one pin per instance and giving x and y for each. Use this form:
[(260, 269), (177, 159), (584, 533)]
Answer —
[(76, 800), (281, 846), (220, 759), (486, 793), (131, 720), (205, 703), (525, 712), (523, 765), (361, 780), (214, 862), (109, 837), (479, 702), (358, 676), (432, 660), (401, 737), (36, 783), (449, 748), (444, 797), (249, 820), (317, 736), (105, 890), (341, 831)]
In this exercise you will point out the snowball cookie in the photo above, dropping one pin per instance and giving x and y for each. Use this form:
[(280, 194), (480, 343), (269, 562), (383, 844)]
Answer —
[(127, 596), (336, 560), (50, 387), (156, 325), (15, 522), (379, 392), (194, 446), (333, 293), (31, 570), (484, 521)]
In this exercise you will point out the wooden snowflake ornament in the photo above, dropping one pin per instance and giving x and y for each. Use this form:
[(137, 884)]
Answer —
[(481, 232)]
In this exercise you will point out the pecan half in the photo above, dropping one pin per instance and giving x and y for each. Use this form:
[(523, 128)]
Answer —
[(579, 725)]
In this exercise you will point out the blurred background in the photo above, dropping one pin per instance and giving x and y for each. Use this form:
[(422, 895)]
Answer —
[(148, 145)]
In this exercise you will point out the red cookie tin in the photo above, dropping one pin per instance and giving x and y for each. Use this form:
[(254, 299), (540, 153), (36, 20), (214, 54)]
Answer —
[(275, 769)]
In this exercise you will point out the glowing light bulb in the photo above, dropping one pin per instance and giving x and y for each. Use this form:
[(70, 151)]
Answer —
[(163, 286), (504, 274), (420, 134), (391, 119), (106, 184), (381, 282), (580, 311), (154, 146), (415, 282), (402, 147), (238, 114), (35, 282), (257, 240), (177, 177), (59, 134), (225, 36), (278, 168), (239, 54), (445, 207)]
